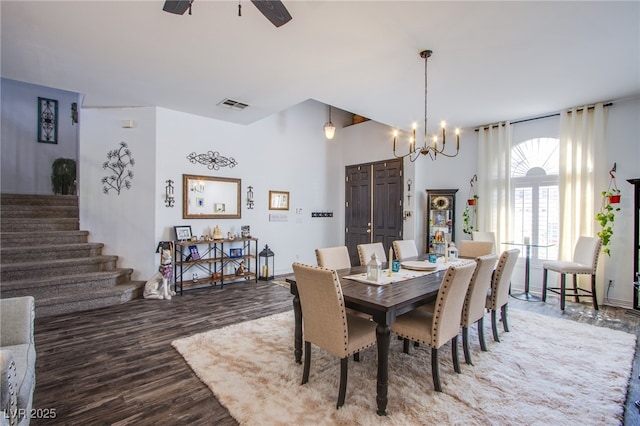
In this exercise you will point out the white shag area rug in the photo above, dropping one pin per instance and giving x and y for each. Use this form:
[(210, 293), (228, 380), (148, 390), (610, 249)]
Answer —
[(545, 371)]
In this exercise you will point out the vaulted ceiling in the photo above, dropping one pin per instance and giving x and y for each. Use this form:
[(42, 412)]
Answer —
[(492, 60)]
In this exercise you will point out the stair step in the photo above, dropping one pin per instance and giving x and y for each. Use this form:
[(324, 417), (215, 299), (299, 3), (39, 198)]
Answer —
[(38, 200), (44, 269), (17, 239), (34, 225), (50, 252), (66, 284), (62, 304), (22, 211)]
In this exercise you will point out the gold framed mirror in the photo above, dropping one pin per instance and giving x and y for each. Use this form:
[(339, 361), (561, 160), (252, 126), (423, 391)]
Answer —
[(208, 197), (278, 200)]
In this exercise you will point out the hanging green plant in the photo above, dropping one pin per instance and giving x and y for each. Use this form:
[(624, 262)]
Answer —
[(607, 214), (470, 211), (63, 176)]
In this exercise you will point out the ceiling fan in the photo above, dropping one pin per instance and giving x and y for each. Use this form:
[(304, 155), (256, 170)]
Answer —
[(273, 10)]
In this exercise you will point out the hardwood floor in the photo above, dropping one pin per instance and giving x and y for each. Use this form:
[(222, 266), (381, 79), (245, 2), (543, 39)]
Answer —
[(116, 365)]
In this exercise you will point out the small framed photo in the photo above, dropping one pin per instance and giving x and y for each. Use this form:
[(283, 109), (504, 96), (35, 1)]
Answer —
[(235, 252), (193, 251), (183, 232)]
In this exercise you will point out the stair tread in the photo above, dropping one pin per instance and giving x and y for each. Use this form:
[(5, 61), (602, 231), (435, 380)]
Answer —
[(38, 264), (25, 282), (94, 294), (53, 247)]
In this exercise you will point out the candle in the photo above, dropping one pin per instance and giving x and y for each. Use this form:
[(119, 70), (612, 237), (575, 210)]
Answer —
[(457, 139), (443, 124)]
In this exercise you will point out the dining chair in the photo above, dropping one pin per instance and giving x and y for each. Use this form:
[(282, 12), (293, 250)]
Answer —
[(405, 249), (471, 249), (585, 262), (498, 297), (437, 328), (326, 322), (333, 257), (475, 301), (485, 236), (366, 250)]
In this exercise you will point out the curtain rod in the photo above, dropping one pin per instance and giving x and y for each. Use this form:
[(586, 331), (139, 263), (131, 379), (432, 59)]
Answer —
[(487, 127)]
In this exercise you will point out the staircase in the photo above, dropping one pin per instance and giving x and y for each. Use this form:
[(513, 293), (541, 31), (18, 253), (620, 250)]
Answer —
[(44, 254)]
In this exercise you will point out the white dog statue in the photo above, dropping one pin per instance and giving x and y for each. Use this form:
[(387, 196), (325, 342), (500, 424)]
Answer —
[(157, 287)]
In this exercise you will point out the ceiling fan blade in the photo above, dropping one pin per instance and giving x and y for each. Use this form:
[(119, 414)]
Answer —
[(273, 10), (179, 7)]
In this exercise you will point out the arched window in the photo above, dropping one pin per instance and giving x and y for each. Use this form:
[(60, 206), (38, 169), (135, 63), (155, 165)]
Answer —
[(534, 177)]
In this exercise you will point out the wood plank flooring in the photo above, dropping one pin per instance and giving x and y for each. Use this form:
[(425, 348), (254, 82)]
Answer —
[(116, 365)]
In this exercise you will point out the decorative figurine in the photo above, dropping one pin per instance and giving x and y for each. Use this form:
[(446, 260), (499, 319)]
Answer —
[(217, 233), (240, 269)]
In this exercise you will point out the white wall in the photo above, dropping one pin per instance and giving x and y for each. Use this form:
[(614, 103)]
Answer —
[(25, 162), (284, 152), (125, 222)]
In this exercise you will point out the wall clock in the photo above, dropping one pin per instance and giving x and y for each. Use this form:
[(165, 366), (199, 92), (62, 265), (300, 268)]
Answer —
[(47, 120)]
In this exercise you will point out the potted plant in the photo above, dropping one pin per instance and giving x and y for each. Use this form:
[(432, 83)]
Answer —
[(63, 176), (469, 215), (607, 214)]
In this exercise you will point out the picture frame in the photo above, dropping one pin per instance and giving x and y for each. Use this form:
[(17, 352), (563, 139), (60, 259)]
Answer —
[(193, 251), (235, 252), (278, 200), (47, 120), (183, 232)]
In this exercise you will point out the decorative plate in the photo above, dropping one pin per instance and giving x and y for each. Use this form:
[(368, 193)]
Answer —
[(419, 265)]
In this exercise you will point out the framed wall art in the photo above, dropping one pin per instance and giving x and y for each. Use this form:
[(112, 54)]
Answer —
[(47, 120)]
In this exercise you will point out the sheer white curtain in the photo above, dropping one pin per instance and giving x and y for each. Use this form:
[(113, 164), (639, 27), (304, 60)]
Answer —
[(495, 204), (582, 174)]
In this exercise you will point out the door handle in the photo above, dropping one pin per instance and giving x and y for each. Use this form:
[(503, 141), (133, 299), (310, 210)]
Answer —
[(368, 231)]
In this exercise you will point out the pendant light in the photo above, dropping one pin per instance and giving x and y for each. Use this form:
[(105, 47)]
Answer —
[(329, 128)]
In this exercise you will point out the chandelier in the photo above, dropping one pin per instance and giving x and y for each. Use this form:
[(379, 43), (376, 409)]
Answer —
[(435, 147)]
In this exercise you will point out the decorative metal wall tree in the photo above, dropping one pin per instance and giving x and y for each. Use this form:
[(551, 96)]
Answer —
[(117, 161)]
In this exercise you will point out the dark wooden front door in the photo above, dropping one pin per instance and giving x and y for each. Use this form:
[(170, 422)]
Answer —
[(373, 205)]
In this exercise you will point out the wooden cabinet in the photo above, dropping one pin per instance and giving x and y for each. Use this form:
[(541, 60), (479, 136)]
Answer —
[(441, 213), (203, 263)]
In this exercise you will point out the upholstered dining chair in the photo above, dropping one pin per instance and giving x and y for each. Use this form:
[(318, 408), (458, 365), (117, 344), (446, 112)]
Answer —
[(475, 301), (327, 324), (585, 261), (471, 249), (366, 250), (405, 249), (437, 328), (498, 297), (485, 236), (333, 257)]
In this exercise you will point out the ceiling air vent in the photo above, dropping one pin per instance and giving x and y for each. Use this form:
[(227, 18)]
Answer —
[(230, 103)]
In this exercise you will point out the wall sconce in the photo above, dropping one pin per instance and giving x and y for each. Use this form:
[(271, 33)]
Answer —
[(329, 128), (250, 197), (169, 200)]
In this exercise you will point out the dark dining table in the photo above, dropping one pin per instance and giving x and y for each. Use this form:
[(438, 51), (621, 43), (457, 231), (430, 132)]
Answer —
[(384, 303)]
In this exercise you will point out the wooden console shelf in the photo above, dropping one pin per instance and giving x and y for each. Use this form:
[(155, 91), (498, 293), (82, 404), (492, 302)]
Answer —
[(217, 262)]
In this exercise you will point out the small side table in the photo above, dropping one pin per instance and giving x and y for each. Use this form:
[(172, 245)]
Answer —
[(527, 265)]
